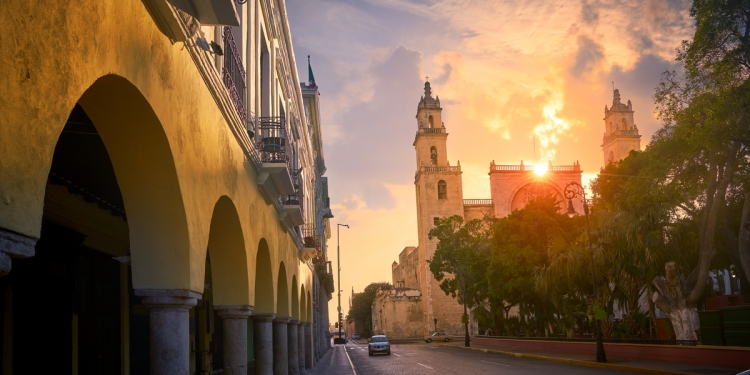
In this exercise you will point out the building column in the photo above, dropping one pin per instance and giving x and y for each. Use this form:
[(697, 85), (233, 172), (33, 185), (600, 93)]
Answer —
[(280, 346), (263, 343), (234, 323), (169, 315), (14, 245), (293, 352), (308, 345), (301, 346)]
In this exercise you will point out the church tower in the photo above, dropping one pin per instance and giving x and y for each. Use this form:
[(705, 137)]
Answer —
[(621, 134), (439, 194)]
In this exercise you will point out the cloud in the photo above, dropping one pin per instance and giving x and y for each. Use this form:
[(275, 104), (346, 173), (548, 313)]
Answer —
[(375, 148), (589, 56), (505, 71)]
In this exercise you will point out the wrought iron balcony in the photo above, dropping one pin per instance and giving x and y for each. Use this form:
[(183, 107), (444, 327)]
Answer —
[(312, 240), (273, 143), (292, 209), (276, 178), (233, 74), (431, 131)]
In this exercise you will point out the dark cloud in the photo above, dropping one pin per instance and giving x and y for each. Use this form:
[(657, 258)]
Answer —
[(588, 56), (376, 148), (589, 13), (645, 75), (444, 76)]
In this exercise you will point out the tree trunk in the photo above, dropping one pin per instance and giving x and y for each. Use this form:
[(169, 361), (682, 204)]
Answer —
[(651, 313), (669, 298), (744, 237)]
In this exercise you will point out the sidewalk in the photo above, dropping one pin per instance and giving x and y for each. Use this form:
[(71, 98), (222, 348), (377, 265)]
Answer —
[(622, 364)]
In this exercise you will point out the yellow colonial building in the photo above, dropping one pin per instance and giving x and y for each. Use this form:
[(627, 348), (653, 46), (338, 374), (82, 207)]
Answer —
[(163, 208)]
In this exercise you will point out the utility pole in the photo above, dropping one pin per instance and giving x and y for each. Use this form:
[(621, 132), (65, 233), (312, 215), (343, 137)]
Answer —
[(338, 264)]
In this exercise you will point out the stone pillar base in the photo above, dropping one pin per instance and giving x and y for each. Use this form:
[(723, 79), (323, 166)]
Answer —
[(280, 346), (263, 343), (170, 334), (301, 346), (234, 323), (14, 245), (293, 352)]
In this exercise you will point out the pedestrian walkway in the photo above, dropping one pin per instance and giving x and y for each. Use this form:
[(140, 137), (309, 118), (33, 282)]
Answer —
[(334, 362), (622, 364)]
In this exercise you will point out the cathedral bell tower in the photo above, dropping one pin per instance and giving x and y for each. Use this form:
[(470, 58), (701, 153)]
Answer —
[(621, 134), (439, 194)]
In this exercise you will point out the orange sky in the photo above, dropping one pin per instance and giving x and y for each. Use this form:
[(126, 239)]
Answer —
[(506, 72)]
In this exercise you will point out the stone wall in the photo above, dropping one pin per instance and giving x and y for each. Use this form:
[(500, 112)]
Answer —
[(398, 313), (405, 273)]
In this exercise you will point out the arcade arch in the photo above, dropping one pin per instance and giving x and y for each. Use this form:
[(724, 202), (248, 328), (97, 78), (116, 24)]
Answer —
[(226, 246), (264, 291)]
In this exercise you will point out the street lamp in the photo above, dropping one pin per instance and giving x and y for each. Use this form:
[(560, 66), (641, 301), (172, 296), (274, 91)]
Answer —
[(338, 264), (572, 191)]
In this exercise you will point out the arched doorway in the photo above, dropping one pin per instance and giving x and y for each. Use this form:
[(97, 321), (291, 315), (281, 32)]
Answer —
[(226, 285), (111, 195), (295, 299), (282, 294)]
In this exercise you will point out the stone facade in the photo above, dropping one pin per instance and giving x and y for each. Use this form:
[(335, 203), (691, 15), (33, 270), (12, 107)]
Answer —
[(621, 133), (439, 193), (397, 313)]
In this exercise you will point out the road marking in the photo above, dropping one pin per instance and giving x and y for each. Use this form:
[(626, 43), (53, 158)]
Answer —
[(495, 363), (425, 366), (396, 355), (354, 372)]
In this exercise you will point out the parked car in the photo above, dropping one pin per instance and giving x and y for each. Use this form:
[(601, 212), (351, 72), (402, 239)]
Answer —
[(437, 336), (355, 336), (379, 344)]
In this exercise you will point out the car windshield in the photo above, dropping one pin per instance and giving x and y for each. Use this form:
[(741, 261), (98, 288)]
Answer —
[(379, 339)]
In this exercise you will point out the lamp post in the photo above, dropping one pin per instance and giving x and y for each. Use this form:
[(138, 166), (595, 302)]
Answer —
[(338, 264), (572, 191)]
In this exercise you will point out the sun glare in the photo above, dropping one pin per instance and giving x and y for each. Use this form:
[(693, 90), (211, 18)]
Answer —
[(540, 169)]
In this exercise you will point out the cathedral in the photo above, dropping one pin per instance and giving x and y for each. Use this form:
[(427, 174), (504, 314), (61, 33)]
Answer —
[(417, 306)]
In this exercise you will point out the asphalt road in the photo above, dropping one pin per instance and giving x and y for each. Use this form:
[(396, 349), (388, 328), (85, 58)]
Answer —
[(422, 358)]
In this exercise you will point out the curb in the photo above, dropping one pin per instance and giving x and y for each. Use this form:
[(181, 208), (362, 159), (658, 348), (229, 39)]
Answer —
[(577, 362)]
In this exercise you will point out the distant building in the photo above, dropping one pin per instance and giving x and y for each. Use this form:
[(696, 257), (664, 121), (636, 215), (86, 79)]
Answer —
[(439, 194), (621, 134)]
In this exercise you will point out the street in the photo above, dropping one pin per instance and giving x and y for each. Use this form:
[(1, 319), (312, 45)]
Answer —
[(421, 358)]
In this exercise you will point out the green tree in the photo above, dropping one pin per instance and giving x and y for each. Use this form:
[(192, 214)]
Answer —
[(459, 260), (361, 310), (521, 245)]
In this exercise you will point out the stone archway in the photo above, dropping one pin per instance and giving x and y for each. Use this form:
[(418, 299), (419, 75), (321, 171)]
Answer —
[(264, 287), (144, 165), (531, 190), (226, 245), (295, 299), (282, 293)]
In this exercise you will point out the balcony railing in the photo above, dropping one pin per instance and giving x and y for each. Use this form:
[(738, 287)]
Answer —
[(507, 167), (477, 202), (273, 142), (431, 130), (234, 74), (312, 238), (621, 133), (530, 167), (442, 169), (563, 167)]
